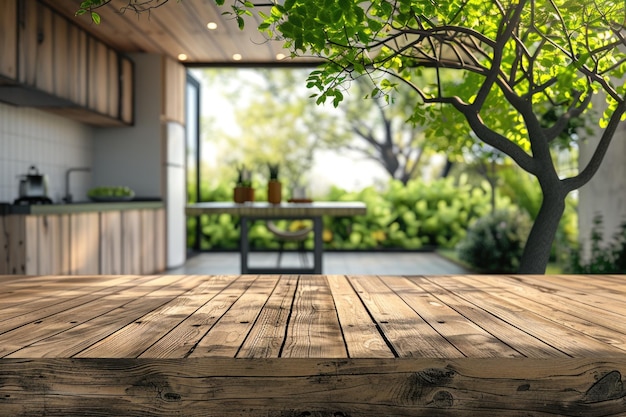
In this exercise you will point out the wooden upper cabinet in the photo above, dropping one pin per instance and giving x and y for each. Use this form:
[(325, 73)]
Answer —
[(36, 46), (61, 77), (113, 84), (127, 82), (76, 65), (28, 40), (98, 80), (80, 76), (174, 82), (8, 39)]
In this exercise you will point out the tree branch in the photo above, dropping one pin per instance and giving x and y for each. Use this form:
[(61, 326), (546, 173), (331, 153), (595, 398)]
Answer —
[(594, 163), (574, 111)]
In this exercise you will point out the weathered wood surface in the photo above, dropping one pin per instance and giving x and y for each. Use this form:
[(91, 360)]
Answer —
[(313, 345)]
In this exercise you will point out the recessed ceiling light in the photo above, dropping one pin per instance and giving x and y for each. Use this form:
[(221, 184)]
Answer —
[(182, 57), (280, 57), (211, 25), (237, 57)]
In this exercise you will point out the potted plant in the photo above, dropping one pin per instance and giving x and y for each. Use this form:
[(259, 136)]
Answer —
[(243, 189), (274, 186)]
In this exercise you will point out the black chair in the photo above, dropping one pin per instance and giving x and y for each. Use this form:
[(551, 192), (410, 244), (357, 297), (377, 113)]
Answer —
[(285, 236)]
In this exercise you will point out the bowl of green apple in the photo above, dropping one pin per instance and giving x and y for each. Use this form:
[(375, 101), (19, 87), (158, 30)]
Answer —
[(110, 194)]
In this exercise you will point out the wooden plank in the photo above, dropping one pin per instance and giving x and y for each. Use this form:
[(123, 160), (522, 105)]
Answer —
[(132, 340), (363, 340), (113, 83), (268, 333), (127, 91), (174, 81), (147, 246), (52, 240), (591, 290), (85, 242), (111, 242), (565, 339), (160, 241), (466, 336), (16, 237), (599, 323), (65, 243), (306, 387), (225, 338), (220, 295), (45, 301), (522, 342), (405, 330), (31, 246), (97, 82), (124, 308), (62, 77), (8, 39), (44, 59), (27, 50), (77, 65), (314, 330), (131, 242), (5, 255)]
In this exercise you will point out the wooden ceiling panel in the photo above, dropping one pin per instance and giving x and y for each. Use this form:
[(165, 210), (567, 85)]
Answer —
[(179, 27)]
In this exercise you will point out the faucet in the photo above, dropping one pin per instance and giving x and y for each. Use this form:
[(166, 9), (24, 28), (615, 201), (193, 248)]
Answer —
[(68, 196)]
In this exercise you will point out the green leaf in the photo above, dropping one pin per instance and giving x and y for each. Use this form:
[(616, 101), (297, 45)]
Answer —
[(95, 17)]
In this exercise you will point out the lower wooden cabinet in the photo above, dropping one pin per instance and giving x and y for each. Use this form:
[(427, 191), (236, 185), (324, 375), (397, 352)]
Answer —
[(84, 243), (108, 242), (111, 243)]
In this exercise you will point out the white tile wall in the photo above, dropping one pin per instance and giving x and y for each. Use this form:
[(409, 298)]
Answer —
[(51, 143)]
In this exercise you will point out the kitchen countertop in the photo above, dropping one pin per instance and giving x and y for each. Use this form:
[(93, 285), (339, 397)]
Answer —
[(79, 207)]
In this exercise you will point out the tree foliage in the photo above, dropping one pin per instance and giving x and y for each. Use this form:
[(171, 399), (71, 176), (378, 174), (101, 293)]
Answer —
[(515, 62)]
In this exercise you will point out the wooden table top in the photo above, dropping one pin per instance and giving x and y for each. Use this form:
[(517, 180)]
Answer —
[(308, 316), (262, 209), (313, 345)]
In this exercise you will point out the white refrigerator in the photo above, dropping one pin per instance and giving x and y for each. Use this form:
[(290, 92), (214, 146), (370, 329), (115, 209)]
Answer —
[(175, 194)]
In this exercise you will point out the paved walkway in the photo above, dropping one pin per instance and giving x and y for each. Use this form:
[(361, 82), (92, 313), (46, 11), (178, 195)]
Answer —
[(353, 263)]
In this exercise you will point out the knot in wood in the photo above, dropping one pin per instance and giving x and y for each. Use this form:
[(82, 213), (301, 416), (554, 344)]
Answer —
[(434, 377), (609, 387), (443, 399)]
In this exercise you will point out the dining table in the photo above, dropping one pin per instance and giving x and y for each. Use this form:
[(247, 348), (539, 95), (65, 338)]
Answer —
[(294, 345), (250, 211)]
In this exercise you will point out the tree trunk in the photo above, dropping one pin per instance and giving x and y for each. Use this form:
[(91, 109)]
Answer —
[(537, 250)]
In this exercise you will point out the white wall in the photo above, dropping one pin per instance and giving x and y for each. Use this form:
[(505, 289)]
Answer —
[(133, 156), (50, 142), (606, 192)]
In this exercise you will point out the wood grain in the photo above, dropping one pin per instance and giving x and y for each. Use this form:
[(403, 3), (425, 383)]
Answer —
[(131, 242), (111, 242), (362, 336), (84, 243), (307, 387), (313, 330), (310, 345), (402, 325), (8, 39)]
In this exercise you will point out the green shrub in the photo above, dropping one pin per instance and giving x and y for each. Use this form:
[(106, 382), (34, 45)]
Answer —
[(605, 258), (495, 242)]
